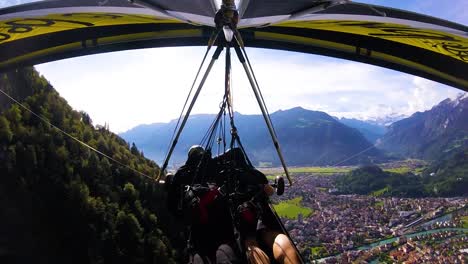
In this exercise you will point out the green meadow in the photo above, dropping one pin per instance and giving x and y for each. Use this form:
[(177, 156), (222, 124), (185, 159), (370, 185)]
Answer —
[(271, 173), (380, 192), (292, 208), (464, 220)]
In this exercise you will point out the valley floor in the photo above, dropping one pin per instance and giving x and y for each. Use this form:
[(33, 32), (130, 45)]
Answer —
[(332, 228)]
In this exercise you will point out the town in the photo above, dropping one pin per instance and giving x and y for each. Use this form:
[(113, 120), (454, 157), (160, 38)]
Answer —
[(348, 228)]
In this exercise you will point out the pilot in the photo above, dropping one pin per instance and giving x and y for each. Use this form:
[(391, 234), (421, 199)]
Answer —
[(193, 198)]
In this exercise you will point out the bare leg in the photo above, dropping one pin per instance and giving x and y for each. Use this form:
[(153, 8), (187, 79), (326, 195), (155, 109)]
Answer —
[(197, 259), (254, 254), (283, 249)]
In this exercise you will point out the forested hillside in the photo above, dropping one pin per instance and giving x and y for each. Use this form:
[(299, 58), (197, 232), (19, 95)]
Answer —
[(372, 179), (447, 178), (449, 175), (63, 203)]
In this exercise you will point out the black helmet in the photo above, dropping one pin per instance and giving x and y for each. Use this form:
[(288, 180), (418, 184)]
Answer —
[(195, 151)]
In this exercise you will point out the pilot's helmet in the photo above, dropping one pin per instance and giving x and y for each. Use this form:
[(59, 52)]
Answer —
[(228, 4), (195, 152)]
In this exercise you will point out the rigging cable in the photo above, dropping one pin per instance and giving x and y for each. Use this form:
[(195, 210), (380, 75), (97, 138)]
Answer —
[(215, 56), (212, 130), (363, 151), (266, 116), (355, 155), (229, 100), (74, 138), (208, 133), (213, 37)]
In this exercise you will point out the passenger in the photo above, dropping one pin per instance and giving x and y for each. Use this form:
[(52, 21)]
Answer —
[(257, 224), (195, 195)]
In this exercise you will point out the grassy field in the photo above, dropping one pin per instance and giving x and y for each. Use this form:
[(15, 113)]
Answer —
[(320, 169), (272, 177), (404, 170), (405, 166), (322, 189), (380, 192), (464, 220), (379, 204), (292, 208), (316, 251), (272, 172), (400, 170)]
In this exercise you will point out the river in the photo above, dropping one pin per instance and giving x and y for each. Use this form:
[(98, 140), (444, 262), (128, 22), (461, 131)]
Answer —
[(393, 239), (428, 232)]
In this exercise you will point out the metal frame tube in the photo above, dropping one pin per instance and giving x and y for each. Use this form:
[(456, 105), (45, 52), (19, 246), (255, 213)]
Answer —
[(264, 112), (192, 103)]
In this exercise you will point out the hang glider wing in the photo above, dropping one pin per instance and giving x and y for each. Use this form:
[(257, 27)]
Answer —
[(421, 45), (417, 44)]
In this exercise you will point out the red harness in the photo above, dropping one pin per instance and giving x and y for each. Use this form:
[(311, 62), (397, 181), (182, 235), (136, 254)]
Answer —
[(206, 201)]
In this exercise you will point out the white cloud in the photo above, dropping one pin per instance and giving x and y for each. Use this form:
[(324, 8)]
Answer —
[(145, 86), (426, 94), (126, 88)]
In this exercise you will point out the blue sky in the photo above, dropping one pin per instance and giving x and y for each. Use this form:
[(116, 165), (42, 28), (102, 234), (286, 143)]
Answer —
[(128, 88)]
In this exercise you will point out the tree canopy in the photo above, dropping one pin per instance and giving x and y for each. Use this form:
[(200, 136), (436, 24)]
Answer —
[(63, 202)]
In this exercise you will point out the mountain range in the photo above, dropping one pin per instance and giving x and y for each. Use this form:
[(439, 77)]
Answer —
[(432, 134), (315, 138), (371, 130), (306, 137)]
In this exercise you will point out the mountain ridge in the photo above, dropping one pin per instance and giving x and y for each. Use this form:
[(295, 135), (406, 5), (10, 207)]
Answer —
[(430, 134), (370, 130), (322, 139)]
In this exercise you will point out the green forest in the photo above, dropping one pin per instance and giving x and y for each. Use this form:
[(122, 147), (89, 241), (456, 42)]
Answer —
[(63, 203)]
